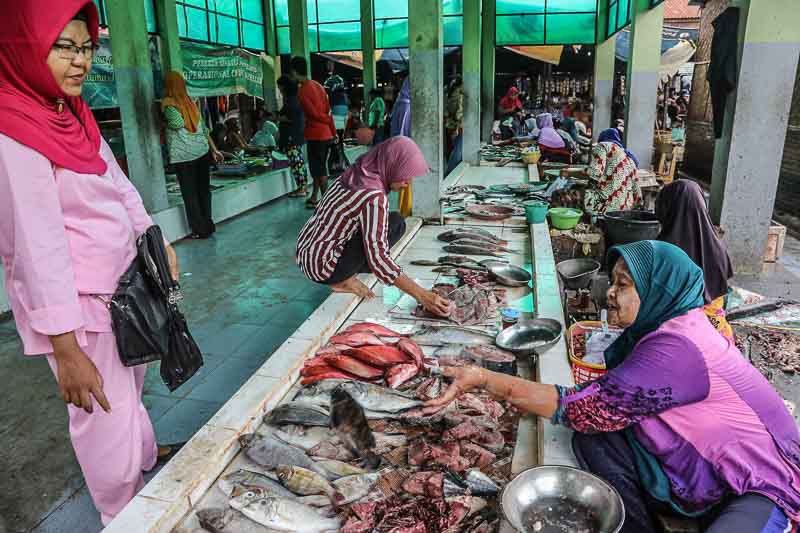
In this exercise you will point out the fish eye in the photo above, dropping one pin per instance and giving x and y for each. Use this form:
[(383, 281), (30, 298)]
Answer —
[(251, 494)]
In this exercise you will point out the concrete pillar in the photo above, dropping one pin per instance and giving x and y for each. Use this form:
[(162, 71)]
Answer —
[(271, 66), (747, 159), (487, 69), (426, 68), (133, 76), (603, 86), (368, 50), (298, 30), (642, 91), (471, 56), (168, 31)]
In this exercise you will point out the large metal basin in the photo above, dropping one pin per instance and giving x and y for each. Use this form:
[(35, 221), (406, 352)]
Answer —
[(531, 337), (577, 273)]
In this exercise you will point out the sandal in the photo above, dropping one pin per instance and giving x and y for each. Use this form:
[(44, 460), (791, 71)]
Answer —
[(299, 193), (173, 450)]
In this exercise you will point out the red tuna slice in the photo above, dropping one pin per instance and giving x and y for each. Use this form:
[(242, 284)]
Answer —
[(456, 513), (478, 456), (491, 440), (357, 338), (480, 405), (375, 329), (382, 356), (399, 374), (327, 375), (411, 348), (353, 366), (354, 525), (464, 430), (416, 483), (332, 349), (433, 486)]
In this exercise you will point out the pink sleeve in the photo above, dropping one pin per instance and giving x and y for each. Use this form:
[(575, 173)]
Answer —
[(33, 241), (130, 196)]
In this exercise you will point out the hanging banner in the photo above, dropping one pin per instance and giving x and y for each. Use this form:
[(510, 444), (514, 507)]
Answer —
[(99, 90)]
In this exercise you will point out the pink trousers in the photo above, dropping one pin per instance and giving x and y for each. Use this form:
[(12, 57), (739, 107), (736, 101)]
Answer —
[(112, 448)]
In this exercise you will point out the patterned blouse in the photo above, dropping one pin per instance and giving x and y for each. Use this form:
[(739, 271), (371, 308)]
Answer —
[(617, 186), (182, 144)]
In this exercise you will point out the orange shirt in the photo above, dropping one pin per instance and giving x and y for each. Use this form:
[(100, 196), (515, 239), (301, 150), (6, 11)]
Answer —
[(317, 110)]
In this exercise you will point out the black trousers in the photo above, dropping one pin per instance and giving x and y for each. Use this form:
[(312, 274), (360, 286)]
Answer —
[(354, 260), (609, 456), (195, 181)]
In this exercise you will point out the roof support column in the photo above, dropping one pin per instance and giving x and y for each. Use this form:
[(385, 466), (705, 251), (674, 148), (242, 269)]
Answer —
[(642, 91), (133, 77), (471, 56), (747, 158), (271, 64), (487, 68), (426, 65), (368, 50), (603, 85), (298, 31), (168, 31)]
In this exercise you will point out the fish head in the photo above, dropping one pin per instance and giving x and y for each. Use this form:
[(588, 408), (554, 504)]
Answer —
[(243, 487), (247, 440), (267, 507), (284, 473), (245, 498)]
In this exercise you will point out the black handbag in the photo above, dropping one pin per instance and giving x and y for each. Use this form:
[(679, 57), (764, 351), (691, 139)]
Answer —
[(146, 321)]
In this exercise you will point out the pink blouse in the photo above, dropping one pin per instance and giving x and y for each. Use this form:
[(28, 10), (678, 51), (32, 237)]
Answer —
[(65, 239)]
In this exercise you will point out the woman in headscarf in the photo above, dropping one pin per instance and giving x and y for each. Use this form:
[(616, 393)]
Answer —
[(352, 230), (69, 219), (190, 151), (682, 423), (291, 122), (612, 176), (685, 222), (613, 135), (510, 103), (401, 125), (551, 144)]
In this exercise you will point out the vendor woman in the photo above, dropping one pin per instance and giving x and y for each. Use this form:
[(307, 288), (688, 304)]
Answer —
[(613, 180), (352, 230), (681, 423)]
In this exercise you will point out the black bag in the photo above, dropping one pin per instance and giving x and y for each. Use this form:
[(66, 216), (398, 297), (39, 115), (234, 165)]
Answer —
[(146, 321), (337, 159)]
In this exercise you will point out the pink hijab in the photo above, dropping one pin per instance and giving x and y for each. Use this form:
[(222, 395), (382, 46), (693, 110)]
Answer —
[(548, 136), (28, 91), (397, 159)]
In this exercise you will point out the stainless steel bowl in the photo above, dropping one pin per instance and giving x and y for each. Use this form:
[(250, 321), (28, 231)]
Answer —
[(530, 337), (561, 499), (577, 273), (510, 275)]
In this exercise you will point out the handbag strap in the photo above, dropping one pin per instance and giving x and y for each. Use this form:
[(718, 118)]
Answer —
[(154, 255)]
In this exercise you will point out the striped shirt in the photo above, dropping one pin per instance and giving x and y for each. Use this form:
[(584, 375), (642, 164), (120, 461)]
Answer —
[(340, 214)]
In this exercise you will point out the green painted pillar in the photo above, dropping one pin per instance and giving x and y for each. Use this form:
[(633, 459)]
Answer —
[(298, 30), (133, 77), (471, 55), (168, 31), (603, 85), (748, 156), (426, 63), (271, 66), (487, 69), (642, 91), (368, 50)]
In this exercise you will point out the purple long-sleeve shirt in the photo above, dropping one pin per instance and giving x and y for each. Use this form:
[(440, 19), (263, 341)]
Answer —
[(712, 420)]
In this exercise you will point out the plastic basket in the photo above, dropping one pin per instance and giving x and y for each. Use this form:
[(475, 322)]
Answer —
[(663, 136), (581, 371)]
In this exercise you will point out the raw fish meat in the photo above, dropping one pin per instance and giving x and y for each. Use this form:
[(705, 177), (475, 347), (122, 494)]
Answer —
[(353, 366), (382, 356), (356, 338), (399, 374), (412, 348)]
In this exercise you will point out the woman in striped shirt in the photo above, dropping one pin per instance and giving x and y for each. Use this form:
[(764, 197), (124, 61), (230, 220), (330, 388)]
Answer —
[(352, 229)]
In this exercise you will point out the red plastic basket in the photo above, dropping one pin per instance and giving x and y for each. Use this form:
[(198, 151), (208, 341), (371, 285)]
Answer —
[(582, 371)]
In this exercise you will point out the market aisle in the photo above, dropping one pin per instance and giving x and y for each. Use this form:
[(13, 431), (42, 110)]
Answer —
[(243, 297)]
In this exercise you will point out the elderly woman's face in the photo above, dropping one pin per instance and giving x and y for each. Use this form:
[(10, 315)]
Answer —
[(70, 58), (623, 300)]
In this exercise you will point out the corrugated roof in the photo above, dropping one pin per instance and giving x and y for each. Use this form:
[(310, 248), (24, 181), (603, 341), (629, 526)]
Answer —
[(680, 9)]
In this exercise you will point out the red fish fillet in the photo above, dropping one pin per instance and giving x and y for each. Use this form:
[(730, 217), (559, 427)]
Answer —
[(375, 329), (327, 375), (399, 374), (357, 338), (353, 366), (330, 348), (411, 348), (316, 369), (382, 356)]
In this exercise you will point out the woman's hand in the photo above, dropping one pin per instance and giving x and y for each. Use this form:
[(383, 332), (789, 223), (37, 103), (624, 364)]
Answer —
[(78, 378), (217, 156), (465, 379), (173, 263), (434, 303)]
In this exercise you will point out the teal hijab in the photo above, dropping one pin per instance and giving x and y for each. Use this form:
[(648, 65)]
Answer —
[(669, 284)]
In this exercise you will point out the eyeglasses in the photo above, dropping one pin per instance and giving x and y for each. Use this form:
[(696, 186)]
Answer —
[(71, 51)]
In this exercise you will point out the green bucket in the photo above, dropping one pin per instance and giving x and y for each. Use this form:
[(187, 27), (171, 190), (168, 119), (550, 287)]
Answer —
[(535, 211)]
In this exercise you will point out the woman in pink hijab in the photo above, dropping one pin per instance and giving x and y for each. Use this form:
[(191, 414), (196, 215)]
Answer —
[(352, 230), (69, 219)]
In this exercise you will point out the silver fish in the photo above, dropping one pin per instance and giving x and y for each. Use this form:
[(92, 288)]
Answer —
[(449, 350), (478, 244), (307, 483), (303, 438), (219, 520), (482, 233), (302, 413), (474, 483), (282, 514), (353, 488), (442, 335), (336, 469), (270, 452), (229, 482), (376, 398), (469, 250)]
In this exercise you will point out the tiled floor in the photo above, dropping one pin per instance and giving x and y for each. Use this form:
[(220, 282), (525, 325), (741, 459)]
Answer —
[(243, 297)]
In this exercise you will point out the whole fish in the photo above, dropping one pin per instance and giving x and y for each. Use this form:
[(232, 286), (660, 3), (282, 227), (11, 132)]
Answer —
[(229, 482), (469, 250), (411, 348), (450, 350), (453, 237), (307, 483), (400, 374), (443, 335), (353, 488), (304, 438), (331, 348), (227, 520), (336, 469), (318, 367), (379, 356), (355, 366), (370, 327), (474, 482), (471, 230), (356, 338), (350, 424), (315, 500), (460, 261), (424, 262), (282, 514), (332, 449), (376, 398), (298, 413), (338, 374), (270, 452), (481, 244)]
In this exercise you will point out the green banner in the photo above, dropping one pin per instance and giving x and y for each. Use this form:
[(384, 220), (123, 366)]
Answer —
[(99, 90)]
